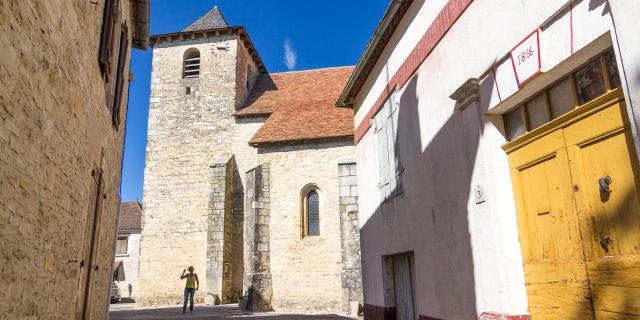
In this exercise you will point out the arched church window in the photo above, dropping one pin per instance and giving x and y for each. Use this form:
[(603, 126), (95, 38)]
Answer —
[(191, 65), (310, 211)]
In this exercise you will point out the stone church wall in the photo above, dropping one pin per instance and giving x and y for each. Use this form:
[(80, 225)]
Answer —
[(306, 271), (186, 134), (55, 129), (350, 237), (257, 248)]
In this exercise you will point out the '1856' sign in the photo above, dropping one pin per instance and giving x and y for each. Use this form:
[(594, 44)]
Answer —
[(525, 58)]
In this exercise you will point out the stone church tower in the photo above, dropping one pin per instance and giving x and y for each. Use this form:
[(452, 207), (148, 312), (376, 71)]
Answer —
[(239, 185)]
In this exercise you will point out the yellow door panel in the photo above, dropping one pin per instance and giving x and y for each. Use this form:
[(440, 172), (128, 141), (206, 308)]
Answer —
[(615, 299), (616, 271), (578, 208), (536, 150), (603, 315), (604, 167), (555, 272), (559, 301), (589, 128)]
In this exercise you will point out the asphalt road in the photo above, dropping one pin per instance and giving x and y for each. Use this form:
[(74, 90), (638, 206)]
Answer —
[(130, 311)]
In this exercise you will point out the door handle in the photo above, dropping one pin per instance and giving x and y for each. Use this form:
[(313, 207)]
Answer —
[(605, 184), (605, 241)]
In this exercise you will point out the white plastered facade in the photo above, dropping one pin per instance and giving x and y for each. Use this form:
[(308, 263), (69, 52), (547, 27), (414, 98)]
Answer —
[(467, 254)]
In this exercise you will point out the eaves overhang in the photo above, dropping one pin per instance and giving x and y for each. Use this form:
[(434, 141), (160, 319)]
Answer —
[(140, 20), (392, 17), (238, 31)]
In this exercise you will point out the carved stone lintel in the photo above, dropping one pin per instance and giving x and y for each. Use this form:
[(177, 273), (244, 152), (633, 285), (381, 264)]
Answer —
[(468, 93)]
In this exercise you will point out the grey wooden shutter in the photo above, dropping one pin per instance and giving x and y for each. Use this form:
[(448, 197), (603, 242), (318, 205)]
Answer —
[(105, 56), (383, 152), (391, 145), (394, 152), (120, 75)]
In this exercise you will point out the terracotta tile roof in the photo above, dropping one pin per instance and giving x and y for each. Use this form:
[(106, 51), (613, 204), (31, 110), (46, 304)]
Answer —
[(129, 216), (301, 105)]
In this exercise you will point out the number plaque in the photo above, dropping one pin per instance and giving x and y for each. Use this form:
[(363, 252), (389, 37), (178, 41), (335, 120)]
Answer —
[(525, 58)]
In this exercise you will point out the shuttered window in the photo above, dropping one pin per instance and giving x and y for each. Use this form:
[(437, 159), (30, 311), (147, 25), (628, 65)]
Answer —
[(313, 213), (191, 64), (122, 75), (386, 131), (107, 38)]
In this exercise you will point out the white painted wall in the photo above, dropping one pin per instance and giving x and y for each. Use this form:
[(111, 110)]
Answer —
[(467, 255), (131, 264), (626, 30)]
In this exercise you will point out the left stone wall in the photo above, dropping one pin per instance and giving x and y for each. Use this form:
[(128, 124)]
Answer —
[(55, 129)]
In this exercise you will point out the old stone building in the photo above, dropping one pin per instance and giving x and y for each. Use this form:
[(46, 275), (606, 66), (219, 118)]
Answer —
[(63, 104), (249, 177)]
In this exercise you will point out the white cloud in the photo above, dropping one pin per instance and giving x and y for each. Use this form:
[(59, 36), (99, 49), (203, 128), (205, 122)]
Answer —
[(290, 54)]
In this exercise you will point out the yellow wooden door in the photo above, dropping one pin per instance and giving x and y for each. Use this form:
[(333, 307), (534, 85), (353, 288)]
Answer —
[(600, 148), (555, 272), (576, 190)]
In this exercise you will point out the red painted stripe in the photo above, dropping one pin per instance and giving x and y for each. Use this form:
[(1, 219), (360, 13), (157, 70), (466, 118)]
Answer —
[(571, 26), (436, 31)]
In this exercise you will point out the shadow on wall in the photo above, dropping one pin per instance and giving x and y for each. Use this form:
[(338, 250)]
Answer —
[(237, 246), (438, 181)]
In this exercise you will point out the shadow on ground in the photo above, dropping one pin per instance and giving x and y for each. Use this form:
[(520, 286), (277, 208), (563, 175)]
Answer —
[(207, 312)]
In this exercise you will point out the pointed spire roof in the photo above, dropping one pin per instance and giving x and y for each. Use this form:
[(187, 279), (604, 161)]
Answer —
[(210, 20)]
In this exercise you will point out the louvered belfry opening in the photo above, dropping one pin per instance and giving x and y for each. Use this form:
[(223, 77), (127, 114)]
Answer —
[(191, 66)]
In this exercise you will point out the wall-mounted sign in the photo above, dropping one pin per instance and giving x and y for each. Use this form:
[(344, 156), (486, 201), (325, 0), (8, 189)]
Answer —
[(525, 58), (479, 194)]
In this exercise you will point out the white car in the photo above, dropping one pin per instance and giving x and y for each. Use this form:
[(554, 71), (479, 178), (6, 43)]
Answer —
[(115, 293)]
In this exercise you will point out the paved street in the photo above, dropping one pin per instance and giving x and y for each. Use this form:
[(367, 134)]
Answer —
[(121, 311)]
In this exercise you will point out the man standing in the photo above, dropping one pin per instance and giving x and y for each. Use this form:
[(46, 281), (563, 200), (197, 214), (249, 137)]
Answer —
[(190, 288)]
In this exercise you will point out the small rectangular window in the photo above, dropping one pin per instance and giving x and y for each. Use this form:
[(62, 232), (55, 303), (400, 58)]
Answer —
[(589, 82), (561, 96), (121, 245), (537, 111), (612, 69), (514, 123), (188, 90)]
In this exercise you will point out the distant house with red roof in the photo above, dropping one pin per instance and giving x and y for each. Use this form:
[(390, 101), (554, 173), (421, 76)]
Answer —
[(250, 178), (127, 251)]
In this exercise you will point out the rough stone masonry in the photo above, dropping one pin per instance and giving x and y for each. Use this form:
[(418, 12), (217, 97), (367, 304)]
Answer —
[(234, 209)]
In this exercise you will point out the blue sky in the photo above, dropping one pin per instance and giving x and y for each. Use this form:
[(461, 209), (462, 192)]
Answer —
[(288, 34)]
